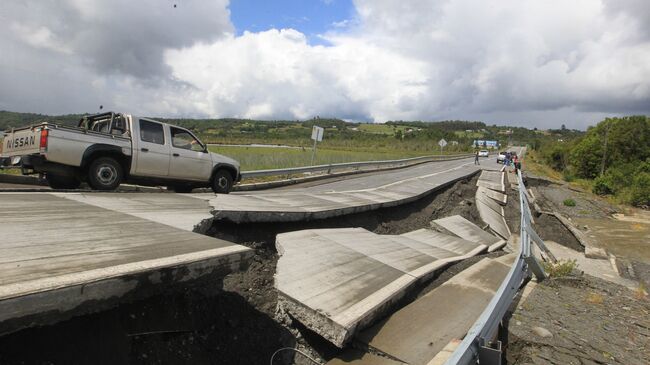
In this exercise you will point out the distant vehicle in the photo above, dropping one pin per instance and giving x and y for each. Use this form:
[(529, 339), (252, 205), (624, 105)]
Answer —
[(107, 149), (501, 158), (483, 153)]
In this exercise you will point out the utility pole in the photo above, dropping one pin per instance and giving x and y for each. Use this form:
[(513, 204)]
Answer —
[(602, 165)]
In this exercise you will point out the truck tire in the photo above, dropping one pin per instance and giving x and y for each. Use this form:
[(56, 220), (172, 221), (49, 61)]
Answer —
[(105, 173), (62, 182), (222, 182)]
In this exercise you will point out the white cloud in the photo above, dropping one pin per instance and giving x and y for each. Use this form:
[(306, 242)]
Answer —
[(524, 61)]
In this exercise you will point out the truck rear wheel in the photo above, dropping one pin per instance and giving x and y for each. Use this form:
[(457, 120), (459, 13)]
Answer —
[(222, 182), (62, 182), (105, 174)]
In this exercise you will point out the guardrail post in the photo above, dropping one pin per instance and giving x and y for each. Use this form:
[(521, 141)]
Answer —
[(489, 353)]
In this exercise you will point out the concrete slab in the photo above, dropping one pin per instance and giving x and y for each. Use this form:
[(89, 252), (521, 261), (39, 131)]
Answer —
[(512, 178), (356, 195), (595, 267), (336, 281), (491, 203), (495, 220), (492, 180), (467, 230), (418, 332), (59, 256), (161, 208), (497, 196)]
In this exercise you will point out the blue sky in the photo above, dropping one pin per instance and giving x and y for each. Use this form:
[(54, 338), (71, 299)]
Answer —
[(310, 17)]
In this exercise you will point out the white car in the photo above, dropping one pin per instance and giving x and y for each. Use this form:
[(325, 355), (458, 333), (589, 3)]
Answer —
[(501, 158), (483, 153), (110, 148)]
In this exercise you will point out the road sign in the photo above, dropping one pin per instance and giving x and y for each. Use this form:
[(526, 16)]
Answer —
[(442, 143), (317, 136), (317, 133)]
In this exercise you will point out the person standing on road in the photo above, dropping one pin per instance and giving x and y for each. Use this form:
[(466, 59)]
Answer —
[(476, 162), (515, 163)]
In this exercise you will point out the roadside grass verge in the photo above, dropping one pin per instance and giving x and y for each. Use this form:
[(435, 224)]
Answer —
[(262, 158)]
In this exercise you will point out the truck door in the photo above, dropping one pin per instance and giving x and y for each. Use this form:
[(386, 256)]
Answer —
[(189, 159), (152, 150)]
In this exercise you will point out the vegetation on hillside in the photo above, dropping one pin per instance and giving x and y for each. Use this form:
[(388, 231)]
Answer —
[(613, 156), (408, 136)]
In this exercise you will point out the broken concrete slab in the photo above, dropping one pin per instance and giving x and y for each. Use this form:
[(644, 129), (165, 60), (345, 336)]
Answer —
[(495, 220), (497, 196), (336, 281), (161, 208), (60, 257), (418, 332), (494, 180), (491, 203), (595, 267), (592, 252), (467, 230), (345, 197)]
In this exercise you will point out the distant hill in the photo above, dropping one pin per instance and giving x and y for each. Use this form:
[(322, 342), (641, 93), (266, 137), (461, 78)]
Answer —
[(409, 135)]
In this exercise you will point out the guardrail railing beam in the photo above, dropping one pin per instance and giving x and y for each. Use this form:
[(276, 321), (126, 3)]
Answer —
[(351, 165)]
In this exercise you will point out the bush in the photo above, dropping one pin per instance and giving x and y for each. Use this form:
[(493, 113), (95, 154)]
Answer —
[(556, 157), (603, 186), (640, 190), (569, 202), (560, 268)]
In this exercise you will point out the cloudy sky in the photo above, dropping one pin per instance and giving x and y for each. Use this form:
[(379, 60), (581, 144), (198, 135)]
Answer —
[(536, 63)]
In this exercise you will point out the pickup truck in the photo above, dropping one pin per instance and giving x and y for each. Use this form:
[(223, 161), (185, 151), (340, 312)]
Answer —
[(107, 149)]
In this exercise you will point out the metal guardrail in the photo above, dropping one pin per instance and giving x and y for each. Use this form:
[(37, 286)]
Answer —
[(478, 345), (353, 165)]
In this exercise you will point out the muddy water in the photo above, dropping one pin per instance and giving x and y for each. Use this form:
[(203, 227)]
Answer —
[(627, 237)]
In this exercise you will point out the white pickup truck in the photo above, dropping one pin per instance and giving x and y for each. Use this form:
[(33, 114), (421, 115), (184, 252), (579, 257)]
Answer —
[(110, 148)]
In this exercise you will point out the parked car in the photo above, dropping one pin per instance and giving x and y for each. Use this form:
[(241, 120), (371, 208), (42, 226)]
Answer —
[(501, 158), (108, 149), (483, 153)]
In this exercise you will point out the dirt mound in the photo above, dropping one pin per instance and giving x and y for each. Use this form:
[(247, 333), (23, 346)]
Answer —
[(590, 321)]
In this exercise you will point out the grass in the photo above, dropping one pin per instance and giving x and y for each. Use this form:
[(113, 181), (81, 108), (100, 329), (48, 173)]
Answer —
[(10, 171), (560, 268), (534, 164), (382, 128), (569, 202), (475, 135), (262, 158)]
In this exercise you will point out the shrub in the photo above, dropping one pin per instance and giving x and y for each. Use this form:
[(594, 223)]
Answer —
[(560, 268), (603, 186), (640, 190), (569, 202)]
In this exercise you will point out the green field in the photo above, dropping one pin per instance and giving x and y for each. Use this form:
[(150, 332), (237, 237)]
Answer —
[(382, 128), (469, 135), (261, 158)]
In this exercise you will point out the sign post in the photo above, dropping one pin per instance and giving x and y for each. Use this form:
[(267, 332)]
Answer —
[(442, 143), (317, 136)]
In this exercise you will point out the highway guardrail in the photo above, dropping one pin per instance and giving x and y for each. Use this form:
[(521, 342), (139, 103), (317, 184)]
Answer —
[(478, 345), (353, 165)]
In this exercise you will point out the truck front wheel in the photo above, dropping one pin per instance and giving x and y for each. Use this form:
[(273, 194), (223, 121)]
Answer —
[(62, 182), (222, 182), (105, 174)]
